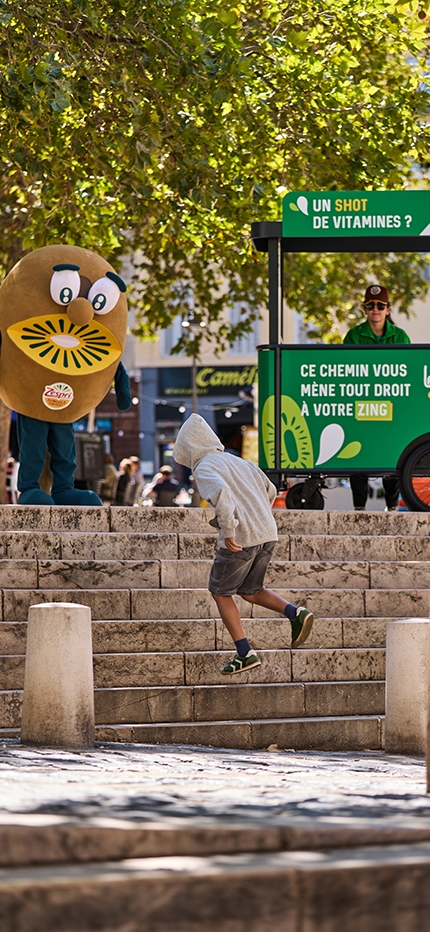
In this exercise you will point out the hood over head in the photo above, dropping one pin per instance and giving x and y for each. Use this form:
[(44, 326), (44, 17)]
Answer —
[(194, 441)]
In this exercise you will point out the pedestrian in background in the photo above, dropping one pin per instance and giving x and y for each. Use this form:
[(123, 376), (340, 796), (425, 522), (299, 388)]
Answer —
[(139, 481), (165, 489), (125, 487), (110, 481)]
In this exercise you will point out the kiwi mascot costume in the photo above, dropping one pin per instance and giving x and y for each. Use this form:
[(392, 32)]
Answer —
[(63, 323)]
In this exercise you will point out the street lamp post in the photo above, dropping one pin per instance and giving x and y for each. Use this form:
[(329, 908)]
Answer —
[(193, 326), (194, 399)]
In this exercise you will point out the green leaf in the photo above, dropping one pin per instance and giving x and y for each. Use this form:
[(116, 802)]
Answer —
[(351, 450), (293, 207), (228, 17)]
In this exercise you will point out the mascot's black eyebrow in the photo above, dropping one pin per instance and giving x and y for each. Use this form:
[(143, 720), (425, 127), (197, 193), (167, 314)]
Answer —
[(64, 266), (118, 281)]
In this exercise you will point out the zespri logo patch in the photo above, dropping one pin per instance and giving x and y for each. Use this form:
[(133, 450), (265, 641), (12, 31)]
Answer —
[(57, 396)]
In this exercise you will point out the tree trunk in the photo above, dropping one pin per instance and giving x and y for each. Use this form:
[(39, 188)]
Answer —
[(4, 448)]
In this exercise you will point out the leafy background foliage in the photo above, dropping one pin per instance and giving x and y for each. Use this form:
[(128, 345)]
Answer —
[(163, 128)]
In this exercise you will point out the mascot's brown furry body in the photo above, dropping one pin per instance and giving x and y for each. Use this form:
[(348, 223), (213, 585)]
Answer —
[(63, 323)]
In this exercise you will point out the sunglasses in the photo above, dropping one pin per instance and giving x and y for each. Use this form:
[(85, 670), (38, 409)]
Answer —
[(371, 304)]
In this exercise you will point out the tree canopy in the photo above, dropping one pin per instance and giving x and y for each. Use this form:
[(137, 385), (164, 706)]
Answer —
[(163, 128)]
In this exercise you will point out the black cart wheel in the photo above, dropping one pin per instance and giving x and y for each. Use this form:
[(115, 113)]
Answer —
[(415, 479), (298, 499)]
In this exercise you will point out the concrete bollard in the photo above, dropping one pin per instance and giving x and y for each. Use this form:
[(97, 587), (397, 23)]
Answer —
[(58, 704), (406, 690)]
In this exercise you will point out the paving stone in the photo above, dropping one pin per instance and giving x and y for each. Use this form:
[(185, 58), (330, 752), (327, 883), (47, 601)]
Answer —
[(31, 545), (13, 637), (113, 546), (301, 522), (173, 520), (308, 665), (152, 636), (104, 603), (400, 603), (274, 633), (119, 670), (204, 669), (196, 547), (143, 704), (412, 548), (22, 573), (204, 547), (65, 518), (215, 734), (397, 524), (345, 548), (414, 574), (327, 575), (17, 517), (324, 603), (365, 632), (179, 603), (10, 707), (107, 574), (12, 671), (256, 701), (344, 698), (185, 574), (327, 733)]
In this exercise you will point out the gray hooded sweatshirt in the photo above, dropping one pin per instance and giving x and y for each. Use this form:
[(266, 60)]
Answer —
[(240, 492)]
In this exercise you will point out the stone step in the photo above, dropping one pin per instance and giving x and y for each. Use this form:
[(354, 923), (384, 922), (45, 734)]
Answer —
[(203, 668), (360, 547), (337, 733), (105, 545), (313, 547), (196, 521), (187, 574), (29, 839), (376, 887), (161, 604), (101, 545), (190, 574), (203, 634), (148, 704)]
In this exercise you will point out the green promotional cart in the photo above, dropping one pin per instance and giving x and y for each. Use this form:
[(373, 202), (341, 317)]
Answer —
[(327, 411)]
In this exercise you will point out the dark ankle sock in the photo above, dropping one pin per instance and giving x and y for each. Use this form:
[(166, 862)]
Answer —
[(242, 647), (290, 611)]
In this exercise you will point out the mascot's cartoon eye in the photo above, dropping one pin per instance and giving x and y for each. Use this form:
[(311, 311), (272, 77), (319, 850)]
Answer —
[(65, 285), (103, 295)]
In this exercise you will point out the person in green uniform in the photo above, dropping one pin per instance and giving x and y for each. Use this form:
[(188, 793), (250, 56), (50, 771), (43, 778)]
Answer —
[(377, 328)]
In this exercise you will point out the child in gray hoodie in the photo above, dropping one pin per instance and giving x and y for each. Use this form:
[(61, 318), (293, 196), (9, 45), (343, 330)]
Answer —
[(242, 497)]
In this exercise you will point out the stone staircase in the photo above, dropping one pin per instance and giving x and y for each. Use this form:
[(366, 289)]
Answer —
[(158, 643)]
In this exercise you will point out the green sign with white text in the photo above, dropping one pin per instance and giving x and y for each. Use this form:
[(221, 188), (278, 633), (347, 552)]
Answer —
[(342, 408), (356, 213)]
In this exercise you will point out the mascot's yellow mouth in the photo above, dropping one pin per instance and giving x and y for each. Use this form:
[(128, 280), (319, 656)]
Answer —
[(54, 342)]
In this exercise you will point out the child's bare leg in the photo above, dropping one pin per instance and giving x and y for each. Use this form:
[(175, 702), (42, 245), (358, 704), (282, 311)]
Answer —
[(301, 619), (230, 616), (268, 599)]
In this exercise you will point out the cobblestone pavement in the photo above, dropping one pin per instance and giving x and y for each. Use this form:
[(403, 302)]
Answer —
[(147, 781)]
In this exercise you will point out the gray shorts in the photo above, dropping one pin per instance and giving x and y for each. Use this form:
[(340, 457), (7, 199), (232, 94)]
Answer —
[(241, 572)]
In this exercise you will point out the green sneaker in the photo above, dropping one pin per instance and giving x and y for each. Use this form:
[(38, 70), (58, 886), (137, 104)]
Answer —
[(240, 664), (301, 627)]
